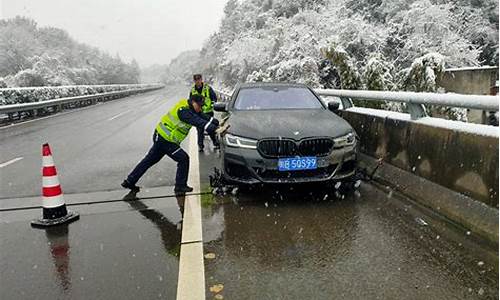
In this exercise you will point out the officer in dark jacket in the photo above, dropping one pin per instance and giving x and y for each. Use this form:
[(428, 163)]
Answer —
[(172, 129), (201, 88)]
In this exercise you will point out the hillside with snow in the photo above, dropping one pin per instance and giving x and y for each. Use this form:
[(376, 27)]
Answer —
[(31, 55), (353, 44)]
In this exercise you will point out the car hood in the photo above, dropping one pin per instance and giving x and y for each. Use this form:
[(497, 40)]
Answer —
[(295, 124)]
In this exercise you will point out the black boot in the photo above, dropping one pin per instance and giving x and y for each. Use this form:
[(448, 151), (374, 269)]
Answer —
[(181, 190), (130, 186)]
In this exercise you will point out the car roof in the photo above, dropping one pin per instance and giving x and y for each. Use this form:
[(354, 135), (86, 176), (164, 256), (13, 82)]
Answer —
[(270, 84)]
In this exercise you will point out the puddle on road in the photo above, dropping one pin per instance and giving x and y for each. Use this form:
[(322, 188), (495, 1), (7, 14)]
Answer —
[(301, 244)]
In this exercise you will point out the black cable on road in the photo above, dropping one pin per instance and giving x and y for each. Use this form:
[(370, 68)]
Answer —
[(101, 202)]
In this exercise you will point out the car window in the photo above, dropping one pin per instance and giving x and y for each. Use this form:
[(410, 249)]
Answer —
[(264, 98)]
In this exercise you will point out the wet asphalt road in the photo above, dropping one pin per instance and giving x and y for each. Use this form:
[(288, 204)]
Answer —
[(94, 148), (118, 250), (307, 243)]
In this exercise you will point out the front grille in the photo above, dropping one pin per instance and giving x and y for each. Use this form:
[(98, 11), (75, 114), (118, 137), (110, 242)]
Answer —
[(315, 147), (289, 148), (277, 148)]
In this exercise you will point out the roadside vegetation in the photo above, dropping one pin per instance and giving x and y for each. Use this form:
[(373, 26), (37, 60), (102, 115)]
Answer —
[(46, 56)]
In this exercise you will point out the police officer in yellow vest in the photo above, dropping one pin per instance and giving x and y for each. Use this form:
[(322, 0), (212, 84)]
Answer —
[(169, 133), (203, 89)]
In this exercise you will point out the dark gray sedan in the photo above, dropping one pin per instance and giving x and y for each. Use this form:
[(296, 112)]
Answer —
[(284, 133)]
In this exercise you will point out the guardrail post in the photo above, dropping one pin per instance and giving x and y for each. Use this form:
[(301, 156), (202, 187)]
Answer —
[(346, 102), (416, 111)]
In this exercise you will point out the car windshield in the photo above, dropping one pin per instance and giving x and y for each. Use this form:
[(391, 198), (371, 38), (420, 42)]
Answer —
[(264, 98)]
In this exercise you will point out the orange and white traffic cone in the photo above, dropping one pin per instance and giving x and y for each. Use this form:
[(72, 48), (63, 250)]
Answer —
[(54, 208)]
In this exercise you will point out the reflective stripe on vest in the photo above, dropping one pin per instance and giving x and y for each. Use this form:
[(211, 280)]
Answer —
[(205, 93), (170, 127)]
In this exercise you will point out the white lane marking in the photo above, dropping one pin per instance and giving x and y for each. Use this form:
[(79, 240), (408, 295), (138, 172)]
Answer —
[(118, 115), (191, 280), (10, 162)]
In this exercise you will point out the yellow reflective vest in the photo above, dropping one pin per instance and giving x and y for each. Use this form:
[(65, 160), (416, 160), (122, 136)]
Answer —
[(170, 127), (205, 93)]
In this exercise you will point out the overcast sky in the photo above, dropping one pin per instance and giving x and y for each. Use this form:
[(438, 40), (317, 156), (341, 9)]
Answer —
[(151, 31)]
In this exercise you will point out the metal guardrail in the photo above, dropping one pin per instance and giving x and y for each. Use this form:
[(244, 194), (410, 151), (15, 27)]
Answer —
[(415, 101), (57, 104)]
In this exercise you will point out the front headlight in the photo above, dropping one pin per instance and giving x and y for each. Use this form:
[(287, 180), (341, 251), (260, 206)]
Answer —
[(239, 142), (345, 140)]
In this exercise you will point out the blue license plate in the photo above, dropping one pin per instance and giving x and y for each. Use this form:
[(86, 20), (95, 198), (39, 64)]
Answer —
[(297, 163)]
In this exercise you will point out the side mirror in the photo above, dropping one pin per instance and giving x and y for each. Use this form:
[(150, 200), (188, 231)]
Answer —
[(333, 106), (220, 106)]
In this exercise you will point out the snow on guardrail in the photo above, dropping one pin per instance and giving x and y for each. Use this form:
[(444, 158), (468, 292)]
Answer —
[(44, 93), (33, 108), (449, 99)]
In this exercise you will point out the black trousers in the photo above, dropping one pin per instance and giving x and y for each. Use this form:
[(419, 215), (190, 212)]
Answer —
[(201, 132), (160, 148)]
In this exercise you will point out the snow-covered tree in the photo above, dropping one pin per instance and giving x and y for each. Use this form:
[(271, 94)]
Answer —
[(304, 70), (349, 75), (421, 77), (259, 76), (29, 77), (329, 77), (377, 74), (17, 45), (426, 27)]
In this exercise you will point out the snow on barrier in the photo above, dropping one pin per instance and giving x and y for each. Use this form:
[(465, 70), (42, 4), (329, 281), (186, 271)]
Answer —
[(44, 93), (414, 100), (41, 100)]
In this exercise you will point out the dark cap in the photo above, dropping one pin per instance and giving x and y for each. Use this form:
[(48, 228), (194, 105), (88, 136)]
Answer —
[(197, 76), (197, 98)]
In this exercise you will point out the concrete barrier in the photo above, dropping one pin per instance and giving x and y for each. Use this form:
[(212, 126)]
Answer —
[(463, 163)]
